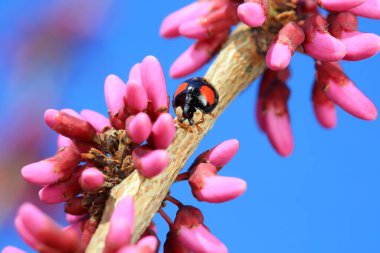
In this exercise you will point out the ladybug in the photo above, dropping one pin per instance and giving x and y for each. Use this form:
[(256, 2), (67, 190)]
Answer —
[(192, 96)]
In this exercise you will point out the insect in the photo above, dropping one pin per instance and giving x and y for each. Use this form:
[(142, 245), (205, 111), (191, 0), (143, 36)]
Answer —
[(193, 97)]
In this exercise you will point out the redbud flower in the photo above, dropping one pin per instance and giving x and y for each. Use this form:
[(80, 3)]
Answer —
[(206, 21), (290, 26), (342, 91), (192, 233), (95, 154)]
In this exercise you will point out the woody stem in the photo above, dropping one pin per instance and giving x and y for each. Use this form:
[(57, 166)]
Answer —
[(240, 61)]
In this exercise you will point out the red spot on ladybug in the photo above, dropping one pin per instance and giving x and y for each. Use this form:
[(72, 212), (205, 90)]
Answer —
[(192, 95), (181, 88), (208, 93)]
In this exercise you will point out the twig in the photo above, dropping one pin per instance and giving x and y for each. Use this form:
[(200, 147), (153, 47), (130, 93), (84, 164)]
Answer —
[(239, 63)]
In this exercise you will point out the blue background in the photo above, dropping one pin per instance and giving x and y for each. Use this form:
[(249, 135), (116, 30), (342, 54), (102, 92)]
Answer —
[(323, 198)]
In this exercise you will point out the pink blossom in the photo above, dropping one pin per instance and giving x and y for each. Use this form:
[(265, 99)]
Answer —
[(206, 21), (192, 234), (359, 46), (319, 43), (95, 154), (121, 223), (253, 12), (343, 92)]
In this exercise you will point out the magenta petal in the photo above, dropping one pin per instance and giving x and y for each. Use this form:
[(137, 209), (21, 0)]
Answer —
[(11, 249), (150, 162), (218, 189), (170, 25), (278, 56), (63, 141), (326, 114), (360, 45), (114, 90), (352, 100), (97, 120), (325, 47), (25, 234), (41, 173), (139, 127), (251, 14), (277, 128), (189, 61), (369, 9), (199, 239), (221, 154), (163, 131), (46, 230), (148, 243), (340, 5), (136, 98), (121, 225), (193, 29), (135, 73), (153, 80), (91, 179), (49, 117)]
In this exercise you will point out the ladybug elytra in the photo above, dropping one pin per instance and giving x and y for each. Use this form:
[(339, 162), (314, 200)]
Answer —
[(195, 94)]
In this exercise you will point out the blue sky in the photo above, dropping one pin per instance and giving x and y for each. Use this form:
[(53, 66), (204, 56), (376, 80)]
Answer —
[(323, 198)]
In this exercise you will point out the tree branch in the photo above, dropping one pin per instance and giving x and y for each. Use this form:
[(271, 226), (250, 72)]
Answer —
[(240, 61)]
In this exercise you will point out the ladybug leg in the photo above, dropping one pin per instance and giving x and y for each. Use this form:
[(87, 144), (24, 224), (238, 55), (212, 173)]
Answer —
[(201, 120)]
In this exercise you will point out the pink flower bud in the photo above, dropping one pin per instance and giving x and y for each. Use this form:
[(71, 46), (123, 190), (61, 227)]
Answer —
[(339, 5), (97, 120), (91, 179), (153, 80), (283, 46), (275, 116), (343, 92), (163, 131), (53, 169), (207, 186), (62, 191), (148, 244), (114, 90), (136, 98), (11, 249), (121, 223), (277, 128), (199, 239), (194, 29), (369, 9), (197, 55), (192, 233), (253, 13), (324, 108), (27, 236), (344, 26), (150, 162), (221, 154), (138, 127), (63, 141), (45, 231), (170, 25), (319, 43), (69, 126), (135, 73)]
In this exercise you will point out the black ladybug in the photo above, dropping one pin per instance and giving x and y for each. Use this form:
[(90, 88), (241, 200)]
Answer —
[(192, 95)]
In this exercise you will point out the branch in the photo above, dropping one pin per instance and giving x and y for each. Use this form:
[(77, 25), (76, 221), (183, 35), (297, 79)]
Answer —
[(239, 63)]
